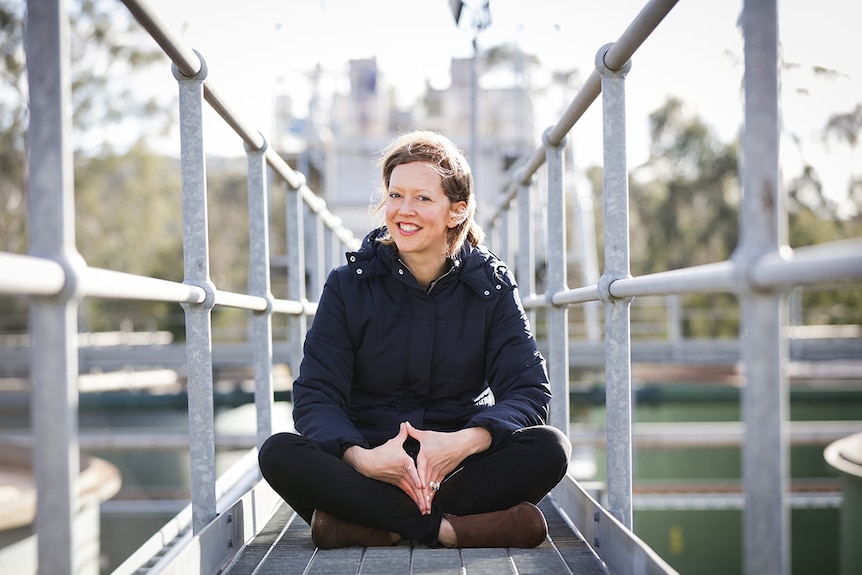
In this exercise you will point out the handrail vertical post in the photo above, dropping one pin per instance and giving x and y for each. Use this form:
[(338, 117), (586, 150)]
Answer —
[(558, 316), (525, 257), (198, 316), (618, 396), (763, 338), (294, 207), (53, 320), (585, 226), (506, 240), (259, 285), (314, 248), (331, 251)]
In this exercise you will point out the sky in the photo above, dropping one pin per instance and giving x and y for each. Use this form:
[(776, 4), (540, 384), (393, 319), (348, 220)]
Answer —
[(256, 49)]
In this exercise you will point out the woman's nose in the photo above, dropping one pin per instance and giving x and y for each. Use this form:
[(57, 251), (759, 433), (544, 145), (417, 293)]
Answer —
[(406, 206)]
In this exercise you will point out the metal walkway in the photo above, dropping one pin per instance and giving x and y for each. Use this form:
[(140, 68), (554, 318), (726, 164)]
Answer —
[(284, 547)]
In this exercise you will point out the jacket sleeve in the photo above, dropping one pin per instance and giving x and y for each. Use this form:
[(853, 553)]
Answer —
[(515, 372), (322, 391)]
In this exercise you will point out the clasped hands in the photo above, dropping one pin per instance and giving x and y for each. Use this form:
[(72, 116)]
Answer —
[(439, 454)]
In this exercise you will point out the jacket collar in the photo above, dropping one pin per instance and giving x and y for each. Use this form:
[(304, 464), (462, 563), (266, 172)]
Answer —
[(475, 266)]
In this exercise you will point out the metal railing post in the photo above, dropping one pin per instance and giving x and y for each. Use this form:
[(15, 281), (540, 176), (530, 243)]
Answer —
[(296, 325), (525, 257), (198, 316), (508, 239), (618, 396), (763, 341), (53, 319), (558, 316), (314, 247), (259, 285), (332, 251), (584, 222)]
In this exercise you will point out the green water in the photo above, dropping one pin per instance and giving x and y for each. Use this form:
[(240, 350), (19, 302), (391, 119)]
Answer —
[(709, 541)]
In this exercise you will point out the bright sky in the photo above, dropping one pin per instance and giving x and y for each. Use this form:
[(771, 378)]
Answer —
[(256, 47)]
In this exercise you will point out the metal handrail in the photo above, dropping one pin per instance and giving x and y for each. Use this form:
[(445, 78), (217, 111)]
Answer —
[(616, 57)]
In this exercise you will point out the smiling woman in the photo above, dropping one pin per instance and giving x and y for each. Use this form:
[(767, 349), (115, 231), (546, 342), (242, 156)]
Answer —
[(421, 386), (428, 201)]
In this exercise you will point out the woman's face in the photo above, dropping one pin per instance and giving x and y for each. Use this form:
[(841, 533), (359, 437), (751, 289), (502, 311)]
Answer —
[(418, 212)]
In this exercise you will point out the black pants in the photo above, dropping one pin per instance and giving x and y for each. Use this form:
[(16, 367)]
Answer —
[(523, 467)]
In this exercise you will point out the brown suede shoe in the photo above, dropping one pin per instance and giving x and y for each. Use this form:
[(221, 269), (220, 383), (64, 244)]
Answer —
[(330, 532), (521, 526)]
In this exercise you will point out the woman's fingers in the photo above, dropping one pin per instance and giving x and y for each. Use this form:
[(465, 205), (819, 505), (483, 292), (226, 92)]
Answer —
[(411, 483)]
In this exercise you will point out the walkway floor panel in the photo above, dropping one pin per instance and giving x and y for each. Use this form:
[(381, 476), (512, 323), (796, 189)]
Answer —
[(284, 547)]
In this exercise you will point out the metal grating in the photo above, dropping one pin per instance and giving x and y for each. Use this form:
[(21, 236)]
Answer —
[(284, 547)]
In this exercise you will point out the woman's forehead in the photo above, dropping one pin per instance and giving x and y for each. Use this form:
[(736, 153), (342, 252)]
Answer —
[(416, 174)]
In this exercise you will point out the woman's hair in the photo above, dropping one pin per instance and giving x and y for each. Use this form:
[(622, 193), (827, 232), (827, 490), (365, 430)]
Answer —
[(448, 161)]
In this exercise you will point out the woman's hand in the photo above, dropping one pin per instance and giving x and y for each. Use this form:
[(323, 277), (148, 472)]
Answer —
[(440, 453), (391, 464)]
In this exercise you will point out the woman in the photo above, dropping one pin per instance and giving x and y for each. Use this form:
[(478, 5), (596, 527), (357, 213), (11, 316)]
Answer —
[(421, 397)]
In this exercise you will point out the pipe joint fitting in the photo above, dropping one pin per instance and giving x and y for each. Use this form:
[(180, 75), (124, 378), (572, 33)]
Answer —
[(603, 69)]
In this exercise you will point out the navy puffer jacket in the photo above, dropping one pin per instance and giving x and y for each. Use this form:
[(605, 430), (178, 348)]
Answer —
[(381, 350)]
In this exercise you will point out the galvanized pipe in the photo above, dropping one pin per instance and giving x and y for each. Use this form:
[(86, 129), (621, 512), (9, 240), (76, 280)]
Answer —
[(558, 317), (617, 310), (505, 243), (295, 237), (33, 276), (763, 338), (830, 261), (239, 301), (525, 256), (707, 278), (259, 285), (576, 295), (315, 256), (621, 51), (53, 319), (101, 283), (198, 316)]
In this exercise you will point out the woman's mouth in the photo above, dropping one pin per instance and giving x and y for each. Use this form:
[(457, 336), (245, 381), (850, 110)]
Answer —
[(408, 228)]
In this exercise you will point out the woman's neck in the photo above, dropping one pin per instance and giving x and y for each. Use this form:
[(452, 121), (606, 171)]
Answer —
[(425, 270)]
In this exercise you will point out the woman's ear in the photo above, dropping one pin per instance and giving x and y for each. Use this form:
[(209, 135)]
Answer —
[(457, 214)]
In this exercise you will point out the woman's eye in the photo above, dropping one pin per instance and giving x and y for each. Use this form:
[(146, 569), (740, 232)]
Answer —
[(394, 195)]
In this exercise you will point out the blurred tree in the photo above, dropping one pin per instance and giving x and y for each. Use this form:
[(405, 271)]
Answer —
[(107, 49), (13, 128), (129, 218), (846, 127), (684, 204), (815, 218), (685, 197)]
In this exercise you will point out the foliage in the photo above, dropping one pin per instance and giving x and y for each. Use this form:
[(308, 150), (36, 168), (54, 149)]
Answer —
[(685, 198), (13, 126), (106, 49), (684, 212), (129, 219)]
